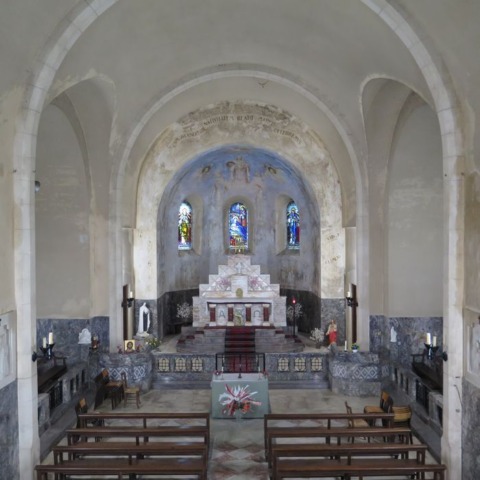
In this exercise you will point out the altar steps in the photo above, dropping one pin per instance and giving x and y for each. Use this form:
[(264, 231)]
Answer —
[(239, 340), (210, 340)]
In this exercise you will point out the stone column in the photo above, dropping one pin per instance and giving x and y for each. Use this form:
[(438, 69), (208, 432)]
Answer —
[(248, 312), (212, 307), (266, 312)]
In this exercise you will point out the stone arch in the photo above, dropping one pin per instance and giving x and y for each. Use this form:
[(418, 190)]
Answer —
[(209, 129), (24, 163)]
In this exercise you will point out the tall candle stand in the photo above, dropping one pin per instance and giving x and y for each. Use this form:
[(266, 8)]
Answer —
[(431, 350), (48, 351)]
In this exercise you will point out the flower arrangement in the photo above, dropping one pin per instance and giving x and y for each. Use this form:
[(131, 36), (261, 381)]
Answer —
[(296, 310), (317, 335), (184, 310), (237, 399), (153, 342), (355, 346)]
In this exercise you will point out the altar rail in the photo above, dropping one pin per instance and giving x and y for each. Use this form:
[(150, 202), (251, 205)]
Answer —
[(305, 370)]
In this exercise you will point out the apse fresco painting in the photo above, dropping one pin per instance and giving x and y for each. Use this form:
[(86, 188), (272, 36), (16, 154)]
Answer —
[(293, 226), (185, 226), (238, 227)]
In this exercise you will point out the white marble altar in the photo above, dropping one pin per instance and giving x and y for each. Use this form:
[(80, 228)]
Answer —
[(239, 295)]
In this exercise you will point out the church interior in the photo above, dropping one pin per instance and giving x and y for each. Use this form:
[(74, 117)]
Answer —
[(302, 173)]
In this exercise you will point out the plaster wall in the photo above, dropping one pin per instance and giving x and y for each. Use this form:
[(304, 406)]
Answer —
[(415, 224), (9, 103), (62, 221)]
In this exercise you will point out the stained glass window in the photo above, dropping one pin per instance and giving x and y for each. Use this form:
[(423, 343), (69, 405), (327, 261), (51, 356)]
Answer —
[(185, 226), (238, 227), (293, 226)]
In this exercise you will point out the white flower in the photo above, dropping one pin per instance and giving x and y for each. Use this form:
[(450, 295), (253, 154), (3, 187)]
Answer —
[(317, 335), (184, 310)]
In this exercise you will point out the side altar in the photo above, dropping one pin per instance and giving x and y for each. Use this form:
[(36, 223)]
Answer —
[(239, 295)]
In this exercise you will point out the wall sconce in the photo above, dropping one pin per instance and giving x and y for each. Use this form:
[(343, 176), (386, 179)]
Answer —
[(351, 301), (129, 300)]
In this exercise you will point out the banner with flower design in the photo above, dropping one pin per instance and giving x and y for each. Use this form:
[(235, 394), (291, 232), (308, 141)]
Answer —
[(237, 398)]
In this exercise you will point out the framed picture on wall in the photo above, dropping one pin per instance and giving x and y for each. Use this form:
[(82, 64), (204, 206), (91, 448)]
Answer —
[(8, 352), (129, 346), (472, 346)]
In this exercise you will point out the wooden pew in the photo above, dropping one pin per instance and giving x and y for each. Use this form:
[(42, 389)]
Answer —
[(188, 422), (333, 433), (325, 419), (136, 434), (300, 450), (145, 419), (122, 468), (358, 467), (131, 451)]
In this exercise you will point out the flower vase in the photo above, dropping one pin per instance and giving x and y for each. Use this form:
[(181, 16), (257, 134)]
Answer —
[(318, 344), (238, 415)]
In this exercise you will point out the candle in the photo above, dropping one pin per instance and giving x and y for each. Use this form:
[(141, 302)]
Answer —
[(434, 341), (44, 343), (130, 295), (50, 338), (345, 346), (428, 340), (349, 294)]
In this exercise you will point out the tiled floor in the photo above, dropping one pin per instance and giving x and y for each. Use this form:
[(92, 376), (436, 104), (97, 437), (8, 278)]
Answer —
[(237, 446)]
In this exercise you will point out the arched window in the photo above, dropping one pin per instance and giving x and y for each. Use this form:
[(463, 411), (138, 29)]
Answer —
[(293, 226), (185, 226), (238, 227)]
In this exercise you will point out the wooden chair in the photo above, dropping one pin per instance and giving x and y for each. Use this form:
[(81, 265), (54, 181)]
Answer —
[(130, 391), (402, 418), (356, 422), (113, 388), (82, 407), (377, 408)]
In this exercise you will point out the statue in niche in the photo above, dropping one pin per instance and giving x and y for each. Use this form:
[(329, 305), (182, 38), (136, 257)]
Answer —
[(393, 335), (143, 320), (85, 337), (331, 333)]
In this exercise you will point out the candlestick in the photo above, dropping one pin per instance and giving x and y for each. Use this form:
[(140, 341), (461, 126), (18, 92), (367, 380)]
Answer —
[(50, 338)]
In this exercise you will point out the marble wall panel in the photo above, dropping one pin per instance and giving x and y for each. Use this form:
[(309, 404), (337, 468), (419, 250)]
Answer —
[(66, 332), (9, 432), (406, 338), (471, 431)]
